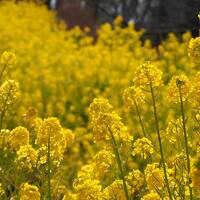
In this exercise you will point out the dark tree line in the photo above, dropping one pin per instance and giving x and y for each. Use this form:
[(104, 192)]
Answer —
[(158, 17)]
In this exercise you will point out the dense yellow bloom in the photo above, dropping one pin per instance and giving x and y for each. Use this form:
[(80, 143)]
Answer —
[(196, 172), (89, 190), (174, 130), (18, 137), (86, 172), (194, 49), (176, 84), (196, 180), (60, 191), (106, 122), (133, 95), (8, 58), (50, 131), (196, 86), (143, 147), (147, 74), (154, 177), (151, 196), (9, 93), (58, 76), (102, 161), (115, 191), (4, 137), (29, 192), (27, 157), (69, 196), (135, 180)]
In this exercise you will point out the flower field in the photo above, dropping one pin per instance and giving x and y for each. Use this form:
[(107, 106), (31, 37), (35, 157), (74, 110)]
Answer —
[(111, 119)]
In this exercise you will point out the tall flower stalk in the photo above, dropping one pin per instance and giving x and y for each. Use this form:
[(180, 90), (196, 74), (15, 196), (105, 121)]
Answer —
[(119, 163), (160, 142), (179, 89), (133, 96), (49, 166), (179, 83), (148, 75), (140, 119), (107, 125)]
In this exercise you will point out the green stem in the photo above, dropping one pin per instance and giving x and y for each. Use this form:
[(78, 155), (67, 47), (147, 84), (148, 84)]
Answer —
[(160, 142), (119, 162), (4, 108), (185, 140), (140, 119), (49, 168), (2, 71)]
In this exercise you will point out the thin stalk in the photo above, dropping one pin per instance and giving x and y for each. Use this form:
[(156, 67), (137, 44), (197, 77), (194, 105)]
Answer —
[(143, 168), (49, 168), (119, 162), (2, 117), (160, 142), (2, 114), (2, 71), (140, 119), (185, 140)]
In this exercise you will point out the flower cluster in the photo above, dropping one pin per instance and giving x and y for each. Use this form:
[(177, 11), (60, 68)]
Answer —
[(179, 85), (51, 133), (143, 147), (18, 137), (105, 122), (133, 95), (30, 192), (194, 49), (27, 157), (148, 74)]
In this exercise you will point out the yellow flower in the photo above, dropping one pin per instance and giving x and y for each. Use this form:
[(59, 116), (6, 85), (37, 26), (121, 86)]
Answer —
[(115, 191), (18, 137), (27, 157), (136, 180), (151, 196), (69, 196), (4, 138), (9, 93), (2, 192), (51, 131), (133, 95), (143, 147), (194, 49), (147, 74), (89, 190), (196, 180), (8, 58), (106, 122), (154, 177), (118, 21), (102, 161), (196, 86), (174, 130), (195, 172), (29, 192), (177, 84)]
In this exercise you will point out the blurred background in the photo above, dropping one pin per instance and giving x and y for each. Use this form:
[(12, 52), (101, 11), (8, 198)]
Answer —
[(157, 17)]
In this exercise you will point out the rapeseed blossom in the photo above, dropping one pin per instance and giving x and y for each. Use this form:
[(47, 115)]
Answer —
[(104, 156), (29, 192)]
